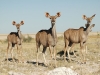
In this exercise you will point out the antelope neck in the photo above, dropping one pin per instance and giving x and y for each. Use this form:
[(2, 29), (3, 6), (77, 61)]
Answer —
[(53, 30), (19, 33), (87, 30)]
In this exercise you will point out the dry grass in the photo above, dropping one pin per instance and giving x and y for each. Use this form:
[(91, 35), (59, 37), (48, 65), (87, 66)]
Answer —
[(29, 55)]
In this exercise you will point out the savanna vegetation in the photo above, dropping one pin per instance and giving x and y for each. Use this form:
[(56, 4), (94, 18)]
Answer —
[(28, 67)]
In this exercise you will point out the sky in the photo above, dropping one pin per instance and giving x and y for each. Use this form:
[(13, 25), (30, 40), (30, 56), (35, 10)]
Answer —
[(32, 12)]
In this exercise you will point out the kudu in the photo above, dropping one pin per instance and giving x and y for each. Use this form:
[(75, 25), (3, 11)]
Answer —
[(72, 36), (89, 20), (48, 38), (15, 38)]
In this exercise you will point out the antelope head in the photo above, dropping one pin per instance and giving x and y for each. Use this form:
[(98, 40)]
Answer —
[(52, 18), (88, 19), (18, 24)]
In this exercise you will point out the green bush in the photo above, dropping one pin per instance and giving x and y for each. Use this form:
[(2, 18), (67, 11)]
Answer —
[(28, 39)]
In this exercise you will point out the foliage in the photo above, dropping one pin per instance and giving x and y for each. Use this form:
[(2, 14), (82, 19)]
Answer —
[(27, 39)]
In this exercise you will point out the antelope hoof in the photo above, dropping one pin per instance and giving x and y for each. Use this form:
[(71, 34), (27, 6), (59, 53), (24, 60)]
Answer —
[(55, 66), (69, 61), (45, 64), (37, 64), (83, 62), (75, 56)]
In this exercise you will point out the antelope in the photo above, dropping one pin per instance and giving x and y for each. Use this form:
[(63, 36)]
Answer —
[(48, 38), (72, 36), (15, 38), (89, 20)]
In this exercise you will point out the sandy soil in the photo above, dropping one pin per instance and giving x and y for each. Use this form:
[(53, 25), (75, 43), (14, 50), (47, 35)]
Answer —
[(92, 67)]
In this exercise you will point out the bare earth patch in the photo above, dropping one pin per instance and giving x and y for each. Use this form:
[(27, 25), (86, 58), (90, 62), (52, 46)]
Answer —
[(92, 67)]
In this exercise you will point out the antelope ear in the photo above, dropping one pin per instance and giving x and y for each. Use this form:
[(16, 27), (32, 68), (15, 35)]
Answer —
[(14, 23), (84, 17), (22, 22), (47, 15), (93, 16), (87, 25), (58, 14), (93, 25)]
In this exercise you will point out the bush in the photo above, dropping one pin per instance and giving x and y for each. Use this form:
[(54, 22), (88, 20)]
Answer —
[(28, 39)]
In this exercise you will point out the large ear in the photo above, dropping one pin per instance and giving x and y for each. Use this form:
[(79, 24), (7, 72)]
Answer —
[(58, 14), (92, 25), (87, 25), (84, 17), (47, 15), (93, 16), (22, 22), (14, 23)]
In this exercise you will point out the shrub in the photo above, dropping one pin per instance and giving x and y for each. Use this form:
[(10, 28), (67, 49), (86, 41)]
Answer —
[(27, 39)]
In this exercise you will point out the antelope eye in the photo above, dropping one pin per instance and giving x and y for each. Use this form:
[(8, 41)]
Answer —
[(50, 18)]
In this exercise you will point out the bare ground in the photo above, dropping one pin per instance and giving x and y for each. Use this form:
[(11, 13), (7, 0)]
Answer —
[(92, 66)]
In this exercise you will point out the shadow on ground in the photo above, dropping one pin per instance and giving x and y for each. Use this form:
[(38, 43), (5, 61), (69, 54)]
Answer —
[(11, 60), (61, 53), (39, 64)]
